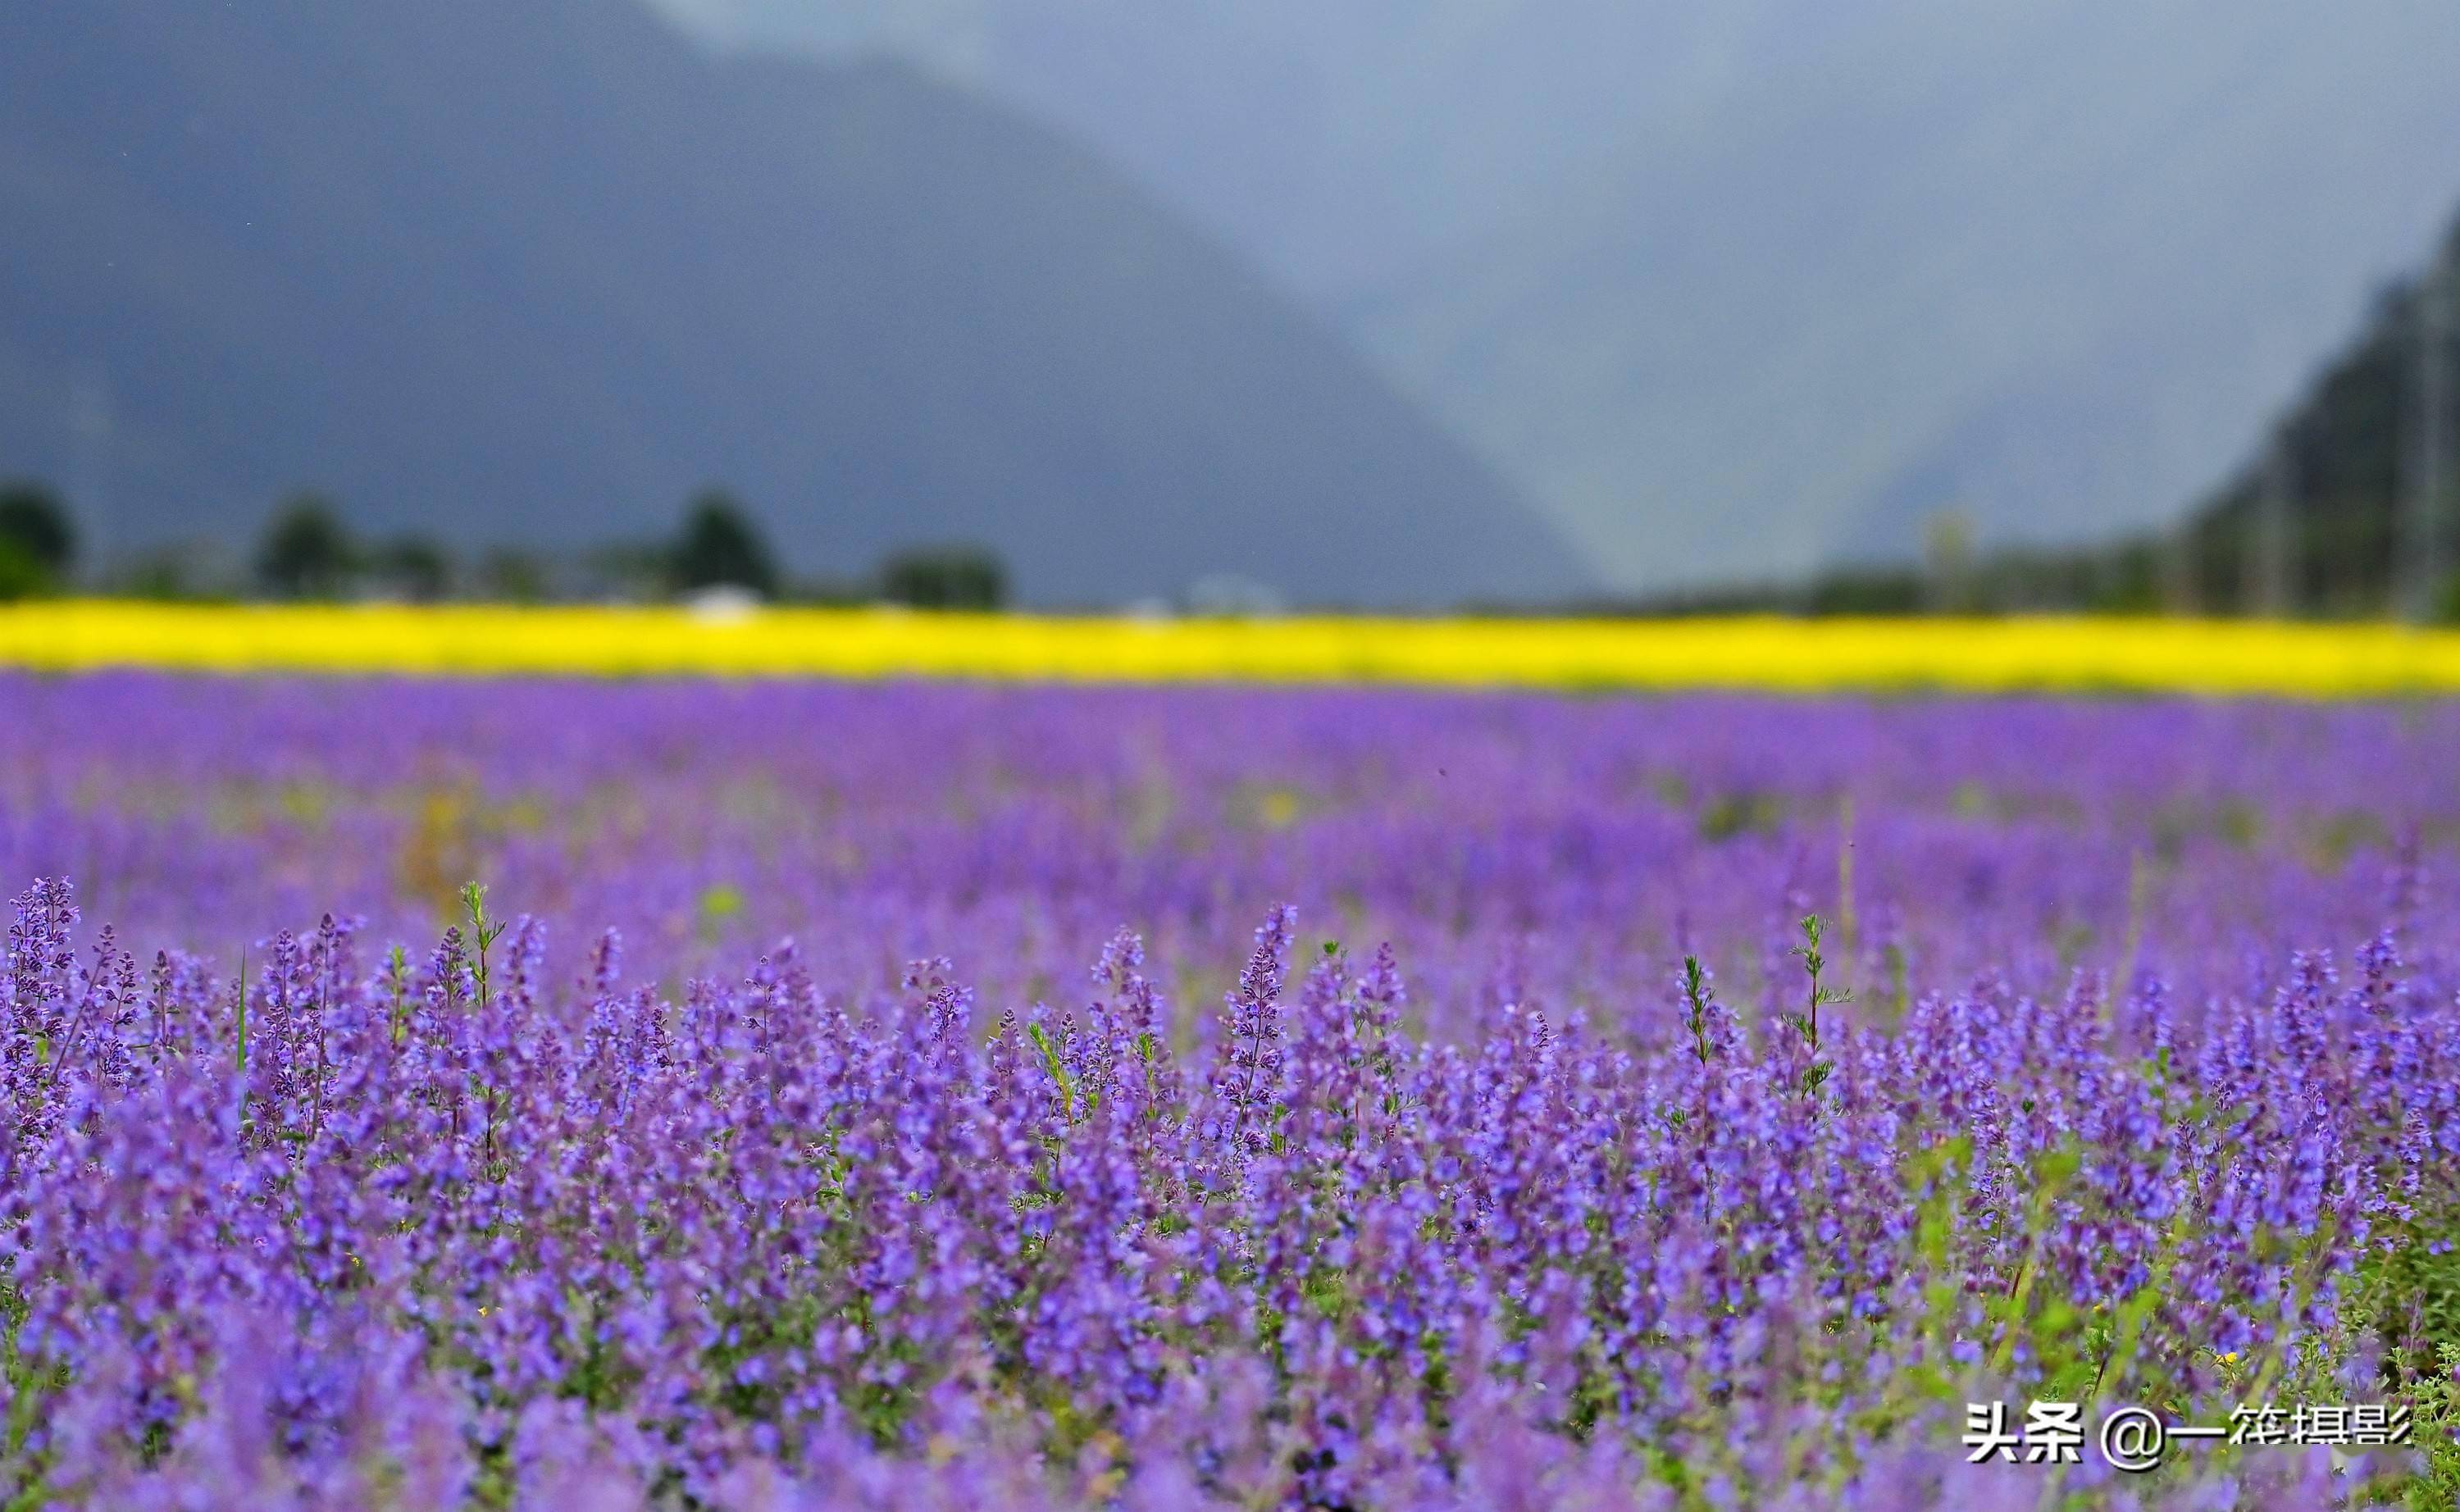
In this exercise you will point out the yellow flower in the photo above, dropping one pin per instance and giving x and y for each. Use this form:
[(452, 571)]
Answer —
[(2310, 660)]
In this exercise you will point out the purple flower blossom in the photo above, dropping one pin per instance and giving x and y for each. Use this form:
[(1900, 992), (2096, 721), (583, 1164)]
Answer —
[(632, 1204)]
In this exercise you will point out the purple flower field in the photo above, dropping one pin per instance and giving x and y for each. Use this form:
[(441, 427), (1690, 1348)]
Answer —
[(974, 1097)]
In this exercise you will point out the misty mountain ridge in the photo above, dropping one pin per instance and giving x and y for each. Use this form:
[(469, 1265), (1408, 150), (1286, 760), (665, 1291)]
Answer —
[(1731, 289), (532, 273)]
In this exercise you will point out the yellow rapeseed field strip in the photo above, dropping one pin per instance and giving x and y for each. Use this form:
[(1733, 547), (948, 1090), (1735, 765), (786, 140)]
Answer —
[(1766, 653)]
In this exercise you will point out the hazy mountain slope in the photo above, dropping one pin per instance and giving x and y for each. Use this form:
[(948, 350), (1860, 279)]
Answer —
[(532, 272), (1737, 287), (2351, 469)]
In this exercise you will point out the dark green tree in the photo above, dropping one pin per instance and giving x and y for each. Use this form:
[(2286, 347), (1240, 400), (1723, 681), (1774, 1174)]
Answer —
[(944, 577), (37, 544), (306, 553), (720, 547), (21, 577)]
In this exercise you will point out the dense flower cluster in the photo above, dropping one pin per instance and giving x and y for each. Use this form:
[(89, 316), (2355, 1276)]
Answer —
[(1567, 1220), (1564, 851)]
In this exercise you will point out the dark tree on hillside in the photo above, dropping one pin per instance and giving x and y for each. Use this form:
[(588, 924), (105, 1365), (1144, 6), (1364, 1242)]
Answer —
[(944, 577), (306, 553), (720, 547), (36, 536)]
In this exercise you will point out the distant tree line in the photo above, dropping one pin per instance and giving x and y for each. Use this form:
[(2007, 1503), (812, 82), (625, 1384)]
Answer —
[(307, 551), (2125, 579)]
